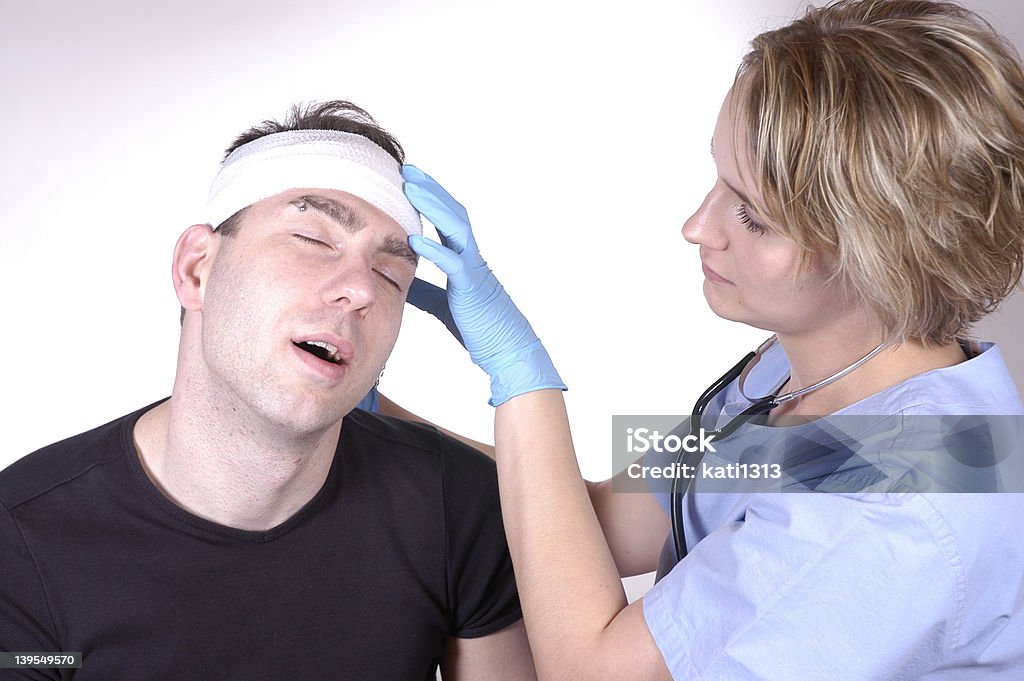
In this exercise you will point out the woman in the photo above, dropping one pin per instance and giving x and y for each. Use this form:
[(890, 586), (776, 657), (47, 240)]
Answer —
[(867, 211)]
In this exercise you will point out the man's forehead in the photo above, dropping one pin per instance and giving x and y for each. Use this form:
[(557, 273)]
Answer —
[(346, 210)]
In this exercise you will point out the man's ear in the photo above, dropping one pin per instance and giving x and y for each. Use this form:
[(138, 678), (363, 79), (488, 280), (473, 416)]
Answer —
[(193, 258)]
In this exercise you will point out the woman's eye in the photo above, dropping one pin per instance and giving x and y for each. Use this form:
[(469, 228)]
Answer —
[(750, 223)]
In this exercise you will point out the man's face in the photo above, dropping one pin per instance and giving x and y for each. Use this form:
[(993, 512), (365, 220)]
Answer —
[(302, 307)]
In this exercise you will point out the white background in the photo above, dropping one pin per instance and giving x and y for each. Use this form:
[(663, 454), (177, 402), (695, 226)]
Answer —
[(576, 133)]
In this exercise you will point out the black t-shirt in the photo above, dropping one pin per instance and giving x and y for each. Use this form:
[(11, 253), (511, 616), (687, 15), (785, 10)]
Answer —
[(401, 548)]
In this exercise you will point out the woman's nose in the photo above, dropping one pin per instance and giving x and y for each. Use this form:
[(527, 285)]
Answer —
[(703, 227)]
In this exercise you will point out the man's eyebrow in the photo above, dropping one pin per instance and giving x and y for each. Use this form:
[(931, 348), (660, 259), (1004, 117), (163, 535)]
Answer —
[(338, 212), (352, 222), (400, 248)]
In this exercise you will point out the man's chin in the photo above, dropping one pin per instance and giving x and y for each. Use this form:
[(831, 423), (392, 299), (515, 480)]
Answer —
[(308, 417)]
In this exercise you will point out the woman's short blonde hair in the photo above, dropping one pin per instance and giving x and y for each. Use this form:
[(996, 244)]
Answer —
[(891, 134)]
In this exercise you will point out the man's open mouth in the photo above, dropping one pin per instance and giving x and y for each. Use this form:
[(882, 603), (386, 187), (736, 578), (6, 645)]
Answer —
[(322, 350)]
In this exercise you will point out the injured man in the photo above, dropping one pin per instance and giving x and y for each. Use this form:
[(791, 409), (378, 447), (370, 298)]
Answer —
[(255, 524)]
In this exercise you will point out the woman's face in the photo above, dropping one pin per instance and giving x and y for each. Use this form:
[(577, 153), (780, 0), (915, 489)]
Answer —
[(751, 271)]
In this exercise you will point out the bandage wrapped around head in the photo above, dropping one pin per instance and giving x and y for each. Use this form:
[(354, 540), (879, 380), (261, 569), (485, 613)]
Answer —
[(313, 159)]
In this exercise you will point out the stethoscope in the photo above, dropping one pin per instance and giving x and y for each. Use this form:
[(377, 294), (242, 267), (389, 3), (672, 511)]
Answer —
[(759, 406)]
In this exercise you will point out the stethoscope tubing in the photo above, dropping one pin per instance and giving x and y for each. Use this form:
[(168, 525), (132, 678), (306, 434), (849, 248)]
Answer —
[(760, 406), (698, 411)]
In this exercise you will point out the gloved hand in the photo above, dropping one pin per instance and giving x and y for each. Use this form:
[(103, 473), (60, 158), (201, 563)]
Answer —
[(499, 338)]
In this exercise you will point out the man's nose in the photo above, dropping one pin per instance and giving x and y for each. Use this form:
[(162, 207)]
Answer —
[(352, 285)]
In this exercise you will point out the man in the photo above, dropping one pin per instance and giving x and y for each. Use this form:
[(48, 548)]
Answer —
[(253, 526)]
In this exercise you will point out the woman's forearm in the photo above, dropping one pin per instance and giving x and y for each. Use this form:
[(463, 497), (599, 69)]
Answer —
[(569, 585)]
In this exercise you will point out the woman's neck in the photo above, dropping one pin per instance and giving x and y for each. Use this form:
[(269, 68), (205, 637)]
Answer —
[(813, 359)]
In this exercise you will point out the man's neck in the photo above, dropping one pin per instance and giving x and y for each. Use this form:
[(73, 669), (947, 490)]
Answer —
[(238, 472)]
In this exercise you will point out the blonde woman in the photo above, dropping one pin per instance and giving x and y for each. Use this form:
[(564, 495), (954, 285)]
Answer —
[(867, 211)]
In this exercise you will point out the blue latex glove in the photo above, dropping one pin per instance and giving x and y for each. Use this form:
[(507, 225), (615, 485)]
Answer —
[(499, 338)]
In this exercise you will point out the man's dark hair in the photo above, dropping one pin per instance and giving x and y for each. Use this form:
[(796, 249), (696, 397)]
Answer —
[(336, 114)]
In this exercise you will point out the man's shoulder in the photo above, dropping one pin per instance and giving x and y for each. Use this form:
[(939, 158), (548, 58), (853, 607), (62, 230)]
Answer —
[(412, 434), (403, 438), (65, 461)]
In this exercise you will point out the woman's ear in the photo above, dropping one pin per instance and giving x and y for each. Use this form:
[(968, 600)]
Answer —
[(193, 257)]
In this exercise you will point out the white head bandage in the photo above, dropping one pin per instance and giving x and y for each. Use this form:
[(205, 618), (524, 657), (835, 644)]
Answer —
[(313, 159)]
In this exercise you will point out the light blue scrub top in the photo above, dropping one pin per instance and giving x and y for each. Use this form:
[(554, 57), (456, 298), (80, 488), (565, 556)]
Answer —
[(852, 585)]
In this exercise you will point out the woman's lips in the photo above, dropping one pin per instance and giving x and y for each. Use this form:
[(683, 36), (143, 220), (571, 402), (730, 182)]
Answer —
[(713, 276)]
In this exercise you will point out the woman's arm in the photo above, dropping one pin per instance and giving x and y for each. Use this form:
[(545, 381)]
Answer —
[(574, 607), (573, 603)]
